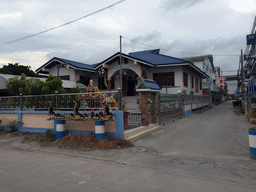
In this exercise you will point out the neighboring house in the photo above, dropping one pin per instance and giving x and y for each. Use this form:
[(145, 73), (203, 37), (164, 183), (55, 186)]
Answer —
[(172, 74), (222, 83), (66, 83), (205, 63), (216, 75)]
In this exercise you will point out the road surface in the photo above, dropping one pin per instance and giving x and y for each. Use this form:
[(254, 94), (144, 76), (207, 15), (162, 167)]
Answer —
[(203, 152)]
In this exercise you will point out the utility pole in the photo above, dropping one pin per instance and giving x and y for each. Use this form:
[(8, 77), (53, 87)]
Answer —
[(242, 80), (242, 72), (121, 83)]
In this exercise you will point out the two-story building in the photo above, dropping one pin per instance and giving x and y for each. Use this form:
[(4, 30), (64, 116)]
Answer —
[(205, 63)]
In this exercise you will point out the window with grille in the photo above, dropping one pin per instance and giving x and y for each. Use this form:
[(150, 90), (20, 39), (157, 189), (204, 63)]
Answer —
[(196, 85), (185, 79), (164, 79), (192, 82), (64, 77)]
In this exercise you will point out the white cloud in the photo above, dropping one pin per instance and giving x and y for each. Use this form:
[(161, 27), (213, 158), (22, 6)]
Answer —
[(200, 26), (242, 6)]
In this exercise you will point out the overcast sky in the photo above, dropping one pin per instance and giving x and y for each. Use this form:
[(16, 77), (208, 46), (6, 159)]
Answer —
[(181, 28)]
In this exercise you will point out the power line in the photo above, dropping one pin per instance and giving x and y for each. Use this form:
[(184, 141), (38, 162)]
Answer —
[(62, 25), (225, 55)]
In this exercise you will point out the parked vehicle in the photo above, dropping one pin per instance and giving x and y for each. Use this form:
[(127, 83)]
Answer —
[(237, 100)]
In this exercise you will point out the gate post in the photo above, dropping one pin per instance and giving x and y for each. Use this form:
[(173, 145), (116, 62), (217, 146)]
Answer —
[(144, 88), (154, 108), (144, 108)]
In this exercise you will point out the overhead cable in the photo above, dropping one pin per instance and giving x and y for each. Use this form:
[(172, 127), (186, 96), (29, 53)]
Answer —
[(62, 25), (228, 55)]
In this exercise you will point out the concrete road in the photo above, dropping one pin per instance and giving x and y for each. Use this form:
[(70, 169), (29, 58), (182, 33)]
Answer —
[(40, 171), (204, 152)]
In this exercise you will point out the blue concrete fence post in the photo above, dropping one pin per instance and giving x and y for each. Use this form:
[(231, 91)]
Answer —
[(252, 142), (99, 129), (179, 99), (60, 129)]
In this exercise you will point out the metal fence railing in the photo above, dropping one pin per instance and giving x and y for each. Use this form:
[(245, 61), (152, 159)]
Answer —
[(93, 100), (170, 107), (194, 98), (134, 119)]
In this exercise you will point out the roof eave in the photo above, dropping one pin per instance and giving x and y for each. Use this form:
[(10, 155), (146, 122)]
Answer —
[(184, 64), (123, 55), (57, 60)]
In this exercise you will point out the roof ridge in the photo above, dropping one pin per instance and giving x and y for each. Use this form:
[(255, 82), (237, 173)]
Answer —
[(149, 51), (172, 57), (72, 61)]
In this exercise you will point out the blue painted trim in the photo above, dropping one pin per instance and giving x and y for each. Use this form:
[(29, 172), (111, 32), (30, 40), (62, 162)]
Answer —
[(55, 125), (60, 122), (5, 128), (19, 120), (26, 112), (188, 112), (99, 135), (100, 123), (252, 152), (34, 129), (119, 123), (60, 134), (253, 132), (73, 132)]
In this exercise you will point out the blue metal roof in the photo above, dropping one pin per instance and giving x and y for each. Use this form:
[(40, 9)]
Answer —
[(75, 64), (70, 62), (153, 57), (152, 84)]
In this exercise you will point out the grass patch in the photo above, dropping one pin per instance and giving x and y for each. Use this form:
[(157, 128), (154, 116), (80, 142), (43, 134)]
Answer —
[(85, 142), (78, 141), (44, 139)]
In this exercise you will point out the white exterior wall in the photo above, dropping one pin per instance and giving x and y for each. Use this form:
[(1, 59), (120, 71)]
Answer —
[(206, 67), (64, 71), (178, 79), (189, 88), (116, 67)]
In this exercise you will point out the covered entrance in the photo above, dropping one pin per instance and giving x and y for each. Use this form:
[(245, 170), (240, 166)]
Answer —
[(129, 81)]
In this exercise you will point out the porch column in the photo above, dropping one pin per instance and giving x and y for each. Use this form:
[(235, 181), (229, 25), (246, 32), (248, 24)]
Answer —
[(109, 84), (144, 108), (154, 108)]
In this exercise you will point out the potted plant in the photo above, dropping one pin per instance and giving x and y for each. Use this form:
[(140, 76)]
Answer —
[(252, 116)]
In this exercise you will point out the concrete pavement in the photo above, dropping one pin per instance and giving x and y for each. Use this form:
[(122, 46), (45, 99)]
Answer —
[(30, 172), (205, 152)]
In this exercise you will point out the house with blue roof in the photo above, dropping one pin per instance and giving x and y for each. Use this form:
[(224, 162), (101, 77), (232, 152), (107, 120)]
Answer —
[(170, 73)]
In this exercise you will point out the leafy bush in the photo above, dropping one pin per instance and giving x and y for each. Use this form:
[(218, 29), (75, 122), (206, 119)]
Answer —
[(50, 135), (12, 123)]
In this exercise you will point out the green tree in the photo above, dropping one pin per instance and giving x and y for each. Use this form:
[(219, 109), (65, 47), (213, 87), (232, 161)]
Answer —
[(75, 90), (16, 85), (33, 86), (51, 85), (17, 69), (224, 92)]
